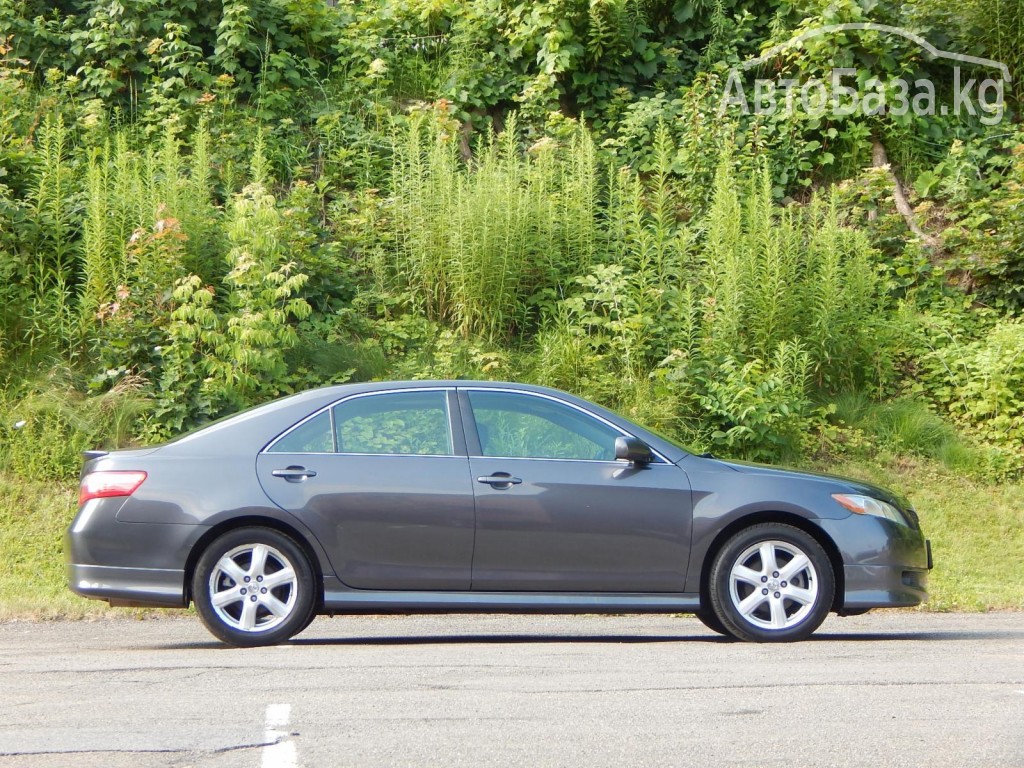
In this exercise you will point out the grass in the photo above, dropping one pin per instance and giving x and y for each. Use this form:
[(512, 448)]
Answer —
[(908, 427), (976, 529), (33, 517)]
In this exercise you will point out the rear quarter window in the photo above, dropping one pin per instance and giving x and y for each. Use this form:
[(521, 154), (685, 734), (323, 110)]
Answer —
[(314, 436)]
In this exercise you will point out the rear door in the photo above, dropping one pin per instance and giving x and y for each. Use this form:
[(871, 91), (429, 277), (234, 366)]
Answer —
[(557, 512), (382, 479)]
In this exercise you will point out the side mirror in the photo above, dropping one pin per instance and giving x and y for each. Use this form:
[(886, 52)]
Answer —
[(633, 450)]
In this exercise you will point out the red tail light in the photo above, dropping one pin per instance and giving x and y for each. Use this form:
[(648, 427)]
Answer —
[(101, 485)]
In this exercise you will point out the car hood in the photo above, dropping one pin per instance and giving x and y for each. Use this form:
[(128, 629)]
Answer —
[(842, 483)]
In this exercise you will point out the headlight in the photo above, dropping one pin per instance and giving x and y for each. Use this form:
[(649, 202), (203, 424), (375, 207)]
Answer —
[(865, 505)]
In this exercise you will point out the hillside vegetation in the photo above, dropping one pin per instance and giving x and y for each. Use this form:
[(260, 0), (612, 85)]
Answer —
[(204, 206)]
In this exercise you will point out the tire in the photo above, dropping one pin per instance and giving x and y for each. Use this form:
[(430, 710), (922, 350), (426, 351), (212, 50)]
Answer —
[(710, 620), (247, 616), (305, 626), (771, 583)]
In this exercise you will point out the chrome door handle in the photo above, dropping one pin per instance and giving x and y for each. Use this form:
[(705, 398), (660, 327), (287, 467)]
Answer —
[(294, 474), (500, 480)]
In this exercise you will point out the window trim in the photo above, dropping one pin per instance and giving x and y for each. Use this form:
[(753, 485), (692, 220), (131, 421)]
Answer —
[(334, 432), (659, 459)]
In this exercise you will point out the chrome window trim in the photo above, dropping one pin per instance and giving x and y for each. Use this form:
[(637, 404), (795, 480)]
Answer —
[(334, 433), (584, 411), (407, 455), (613, 463)]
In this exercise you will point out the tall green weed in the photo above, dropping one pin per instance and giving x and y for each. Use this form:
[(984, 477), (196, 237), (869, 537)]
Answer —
[(479, 244)]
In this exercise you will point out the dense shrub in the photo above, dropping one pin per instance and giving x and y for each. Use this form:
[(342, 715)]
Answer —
[(987, 378), (215, 205), (736, 327)]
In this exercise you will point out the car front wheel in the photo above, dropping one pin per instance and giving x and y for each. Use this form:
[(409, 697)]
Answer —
[(771, 583), (254, 586)]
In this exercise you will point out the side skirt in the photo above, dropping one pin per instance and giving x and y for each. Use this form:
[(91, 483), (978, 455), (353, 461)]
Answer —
[(357, 602)]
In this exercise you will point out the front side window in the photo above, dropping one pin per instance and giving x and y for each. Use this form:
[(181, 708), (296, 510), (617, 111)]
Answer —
[(413, 423), (512, 425)]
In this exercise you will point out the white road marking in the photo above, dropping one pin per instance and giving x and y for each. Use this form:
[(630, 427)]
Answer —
[(281, 752)]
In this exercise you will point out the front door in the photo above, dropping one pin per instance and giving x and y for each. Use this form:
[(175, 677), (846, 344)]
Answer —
[(557, 512)]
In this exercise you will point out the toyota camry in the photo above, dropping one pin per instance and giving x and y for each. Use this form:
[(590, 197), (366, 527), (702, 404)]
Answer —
[(460, 496)]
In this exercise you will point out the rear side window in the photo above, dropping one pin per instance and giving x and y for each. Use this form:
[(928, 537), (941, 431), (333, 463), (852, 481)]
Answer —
[(413, 423), (314, 436)]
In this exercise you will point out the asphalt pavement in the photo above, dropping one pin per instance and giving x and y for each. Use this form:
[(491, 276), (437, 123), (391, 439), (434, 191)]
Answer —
[(888, 689)]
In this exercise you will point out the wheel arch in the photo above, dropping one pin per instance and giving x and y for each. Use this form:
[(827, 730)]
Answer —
[(785, 518), (254, 521)]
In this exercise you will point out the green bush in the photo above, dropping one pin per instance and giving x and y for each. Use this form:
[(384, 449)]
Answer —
[(230, 203), (988, 236), (223, 357), (774, 274), (736, 328), (988, 378), (759, 410)]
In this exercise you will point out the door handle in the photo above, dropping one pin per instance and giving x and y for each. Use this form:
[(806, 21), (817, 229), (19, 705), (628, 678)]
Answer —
[(294, 474), (500, 480)]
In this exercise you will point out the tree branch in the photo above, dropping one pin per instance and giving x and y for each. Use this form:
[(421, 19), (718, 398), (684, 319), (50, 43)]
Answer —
[(880, 159)]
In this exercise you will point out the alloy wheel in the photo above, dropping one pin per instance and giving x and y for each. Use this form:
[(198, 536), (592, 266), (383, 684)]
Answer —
[(252, 588), (773, 585)]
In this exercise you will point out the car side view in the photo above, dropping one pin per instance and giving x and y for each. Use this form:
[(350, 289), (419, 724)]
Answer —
[(461, 496)]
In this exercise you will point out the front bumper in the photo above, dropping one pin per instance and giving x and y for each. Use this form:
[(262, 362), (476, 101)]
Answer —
[(884, 586), (885, 565)]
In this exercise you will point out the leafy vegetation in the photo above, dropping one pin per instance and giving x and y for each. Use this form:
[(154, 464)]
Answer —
[(204, 206)]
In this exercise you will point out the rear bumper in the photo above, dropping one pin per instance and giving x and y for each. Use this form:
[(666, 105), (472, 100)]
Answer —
[(884, 586), (141, 587), (130, 564)]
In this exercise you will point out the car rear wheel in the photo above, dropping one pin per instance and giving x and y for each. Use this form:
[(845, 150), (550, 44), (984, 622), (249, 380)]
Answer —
[(254, 586), (771, 583), (712, 622)]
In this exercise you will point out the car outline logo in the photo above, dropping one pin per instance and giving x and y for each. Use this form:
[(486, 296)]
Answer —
[(874, 27)]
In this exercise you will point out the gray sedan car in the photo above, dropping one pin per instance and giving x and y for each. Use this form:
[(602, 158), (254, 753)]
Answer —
[(459, 496)]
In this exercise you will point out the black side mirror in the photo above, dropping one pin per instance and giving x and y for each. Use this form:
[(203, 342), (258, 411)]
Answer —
[(634, 450)]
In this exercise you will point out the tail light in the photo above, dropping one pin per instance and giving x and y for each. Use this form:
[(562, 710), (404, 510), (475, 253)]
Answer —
[(102, 485)]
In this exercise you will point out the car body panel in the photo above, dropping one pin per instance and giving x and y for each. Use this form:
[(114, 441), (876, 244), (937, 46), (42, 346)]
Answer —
[(883, 586), (129, 587)]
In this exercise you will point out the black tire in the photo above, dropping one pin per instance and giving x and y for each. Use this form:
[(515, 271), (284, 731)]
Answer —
[(794, 581), (263, 583), (709, 620), (312, 615)]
